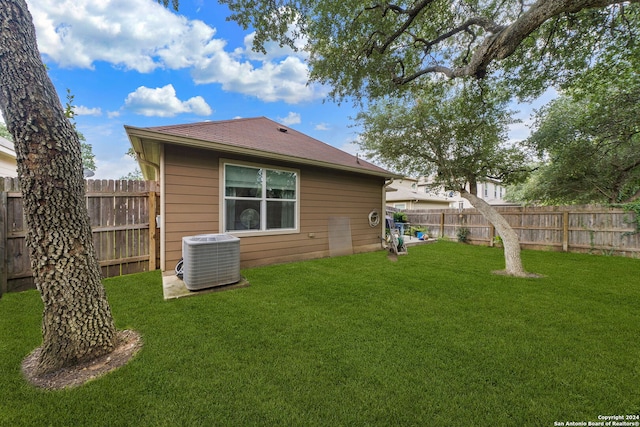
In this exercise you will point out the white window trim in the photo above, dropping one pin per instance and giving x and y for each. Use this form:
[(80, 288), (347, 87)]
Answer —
[(222, 192)]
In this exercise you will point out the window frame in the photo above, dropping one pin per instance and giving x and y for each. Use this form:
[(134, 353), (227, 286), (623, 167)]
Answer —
[(263, 200)]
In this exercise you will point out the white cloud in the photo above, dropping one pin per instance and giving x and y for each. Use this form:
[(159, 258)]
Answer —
[(163, 102), (114, 169), (286, 80), (274, 50), (322, 126), (81, 110), (351, 148), (291, 119), (142, 35)]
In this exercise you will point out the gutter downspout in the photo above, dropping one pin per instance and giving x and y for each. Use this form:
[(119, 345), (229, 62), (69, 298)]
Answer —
[(156, 223), (155, 167)]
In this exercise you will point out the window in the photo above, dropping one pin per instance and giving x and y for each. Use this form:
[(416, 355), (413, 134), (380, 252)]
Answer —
[(259, 198), (400, 205)]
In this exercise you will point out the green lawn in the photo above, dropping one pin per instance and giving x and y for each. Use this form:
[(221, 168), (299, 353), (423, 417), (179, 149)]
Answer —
[(433, 339)]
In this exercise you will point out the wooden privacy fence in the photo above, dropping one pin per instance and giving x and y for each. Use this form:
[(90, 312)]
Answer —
[(588, 228), (123, 221)]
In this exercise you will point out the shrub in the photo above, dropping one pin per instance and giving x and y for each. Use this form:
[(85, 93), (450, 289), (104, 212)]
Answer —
[(399, 217), (463, 234)]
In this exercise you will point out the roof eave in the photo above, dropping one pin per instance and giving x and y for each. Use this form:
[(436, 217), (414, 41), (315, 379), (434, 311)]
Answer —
[(139, 136)]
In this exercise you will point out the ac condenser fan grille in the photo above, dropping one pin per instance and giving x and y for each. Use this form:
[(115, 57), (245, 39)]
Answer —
[(210, 260)]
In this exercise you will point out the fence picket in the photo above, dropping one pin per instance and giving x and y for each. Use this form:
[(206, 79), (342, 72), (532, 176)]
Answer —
[(119, 216), (589, 228)]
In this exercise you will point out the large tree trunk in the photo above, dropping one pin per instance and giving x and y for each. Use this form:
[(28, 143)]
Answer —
[(510, 241), (77, 324)]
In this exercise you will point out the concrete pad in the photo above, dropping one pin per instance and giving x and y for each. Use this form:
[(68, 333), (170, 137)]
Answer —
[(173, 287), (413, 241)]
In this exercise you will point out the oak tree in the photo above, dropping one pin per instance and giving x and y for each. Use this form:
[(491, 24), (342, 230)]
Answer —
[(455, 134), (588, 139), (371, 49), (77, 323)]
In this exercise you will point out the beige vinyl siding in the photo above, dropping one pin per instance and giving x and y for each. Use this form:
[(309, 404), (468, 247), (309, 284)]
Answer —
[(343, 195), (8, 165), (192, 207), (190, 198)]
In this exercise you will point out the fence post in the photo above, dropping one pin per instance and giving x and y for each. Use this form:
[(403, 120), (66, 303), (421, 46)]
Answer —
[(565, 231), (3, 243), (442, 224), (152, 230)]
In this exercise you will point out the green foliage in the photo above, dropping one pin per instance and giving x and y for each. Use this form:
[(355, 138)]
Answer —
[(366, 51), (463, 234), (589, 138), (399, 217), (563, 47), (633, 207), (88, 158), (415, 229), (455, 133), (174, 3), (433, 339), (4, 132), (136, 175)]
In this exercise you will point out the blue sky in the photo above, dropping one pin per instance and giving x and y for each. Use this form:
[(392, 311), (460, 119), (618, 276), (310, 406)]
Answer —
[(134, 62)]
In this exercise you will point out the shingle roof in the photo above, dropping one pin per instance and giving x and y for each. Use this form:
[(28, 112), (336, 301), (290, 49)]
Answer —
[(261, 134), (402, 194)]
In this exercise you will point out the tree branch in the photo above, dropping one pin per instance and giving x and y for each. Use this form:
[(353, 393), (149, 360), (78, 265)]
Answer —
[(502, 41)]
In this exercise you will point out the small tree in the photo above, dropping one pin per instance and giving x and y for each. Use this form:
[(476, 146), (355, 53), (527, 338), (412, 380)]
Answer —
[(88, 158), (456, 134), (136, 175)]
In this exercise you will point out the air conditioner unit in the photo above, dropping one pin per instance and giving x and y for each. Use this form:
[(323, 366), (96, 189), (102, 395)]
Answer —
[(210, 260)]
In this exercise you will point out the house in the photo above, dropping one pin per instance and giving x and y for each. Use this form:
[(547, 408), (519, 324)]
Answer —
[(8, 165), (491, 191), (404, 194), (287, 196)]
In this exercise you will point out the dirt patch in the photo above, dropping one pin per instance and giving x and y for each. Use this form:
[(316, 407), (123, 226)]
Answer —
[(129, 343), (525, 275)]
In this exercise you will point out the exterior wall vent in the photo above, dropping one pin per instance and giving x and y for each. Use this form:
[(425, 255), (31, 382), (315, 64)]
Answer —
[(210, 260)]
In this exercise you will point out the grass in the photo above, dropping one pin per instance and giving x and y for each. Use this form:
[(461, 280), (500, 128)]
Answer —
[(432, 339)]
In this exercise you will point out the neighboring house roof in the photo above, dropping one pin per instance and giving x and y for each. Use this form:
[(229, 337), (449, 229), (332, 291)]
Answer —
[(259, 137), (404, 194), (7, 147)]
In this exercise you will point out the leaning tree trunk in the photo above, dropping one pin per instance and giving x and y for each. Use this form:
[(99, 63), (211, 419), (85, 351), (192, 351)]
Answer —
[(510, 241), (77, 323)]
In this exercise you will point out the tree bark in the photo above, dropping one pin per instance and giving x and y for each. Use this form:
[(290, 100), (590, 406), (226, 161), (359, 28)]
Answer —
[(510, 241), (77, 324)]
